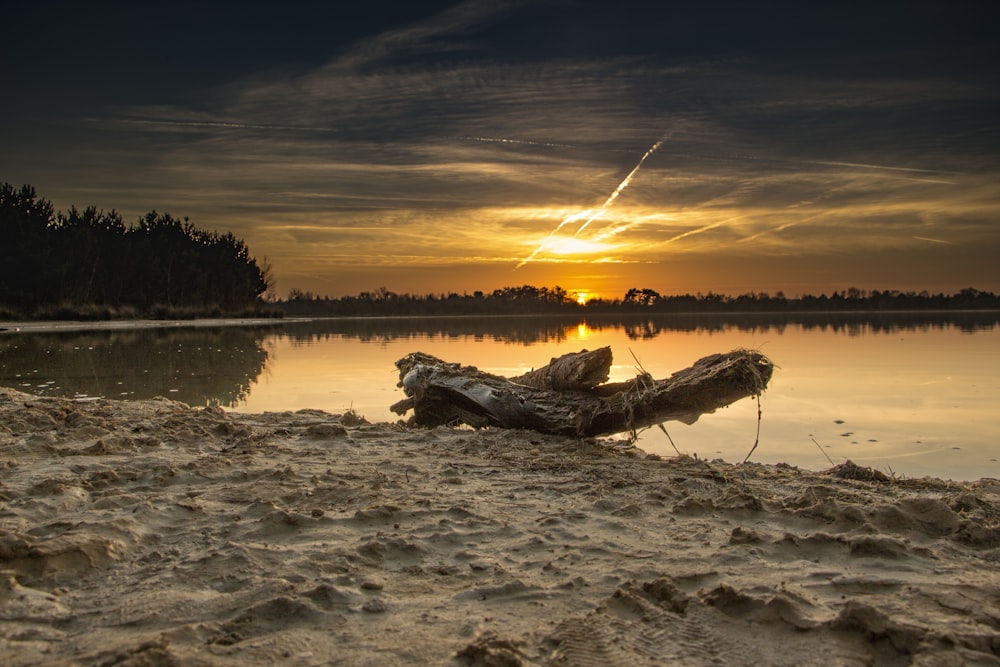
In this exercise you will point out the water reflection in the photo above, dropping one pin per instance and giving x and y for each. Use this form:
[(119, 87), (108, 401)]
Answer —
[(852, 324), (534, 329), (914, 392), (200, 365), (191, 365), (527, 330)]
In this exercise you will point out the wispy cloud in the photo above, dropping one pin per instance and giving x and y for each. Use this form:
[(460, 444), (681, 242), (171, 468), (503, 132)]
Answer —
[(421, 147)]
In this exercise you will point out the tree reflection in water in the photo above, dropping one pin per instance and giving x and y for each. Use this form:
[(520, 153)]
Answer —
[(534, 329), (200, 365), (194, 365)]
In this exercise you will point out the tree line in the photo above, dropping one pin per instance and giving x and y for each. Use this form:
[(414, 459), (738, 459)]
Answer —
[(528, 299), (160, 265), (91, 264)]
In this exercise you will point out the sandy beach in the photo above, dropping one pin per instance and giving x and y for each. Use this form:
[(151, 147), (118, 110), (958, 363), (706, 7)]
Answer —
[(153, 533)]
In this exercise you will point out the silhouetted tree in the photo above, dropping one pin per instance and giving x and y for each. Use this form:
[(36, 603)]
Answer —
[(91, 247), (24, 235), (642, 297), (91, 257)]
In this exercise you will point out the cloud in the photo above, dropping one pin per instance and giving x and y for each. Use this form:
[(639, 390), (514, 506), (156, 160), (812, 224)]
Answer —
[(444, 140)]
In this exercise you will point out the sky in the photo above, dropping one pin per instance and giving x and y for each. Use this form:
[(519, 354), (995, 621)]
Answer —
[(435, 147)]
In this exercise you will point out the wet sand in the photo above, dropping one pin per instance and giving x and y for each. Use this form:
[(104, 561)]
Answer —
[(152, 533)]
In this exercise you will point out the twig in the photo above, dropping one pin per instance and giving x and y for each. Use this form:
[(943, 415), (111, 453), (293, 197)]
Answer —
[(824, 452), (757, 439), (670, 439), (637, 362), (639, 386)]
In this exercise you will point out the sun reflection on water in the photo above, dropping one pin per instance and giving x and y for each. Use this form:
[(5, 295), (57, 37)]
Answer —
[(863, 398), (919, 399)]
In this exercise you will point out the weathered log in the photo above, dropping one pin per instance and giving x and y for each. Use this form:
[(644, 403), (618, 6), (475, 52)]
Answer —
[(441, 393), (576, 370)]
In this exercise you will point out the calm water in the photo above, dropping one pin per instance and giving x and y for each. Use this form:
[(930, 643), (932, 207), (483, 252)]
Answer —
[(915, 395)]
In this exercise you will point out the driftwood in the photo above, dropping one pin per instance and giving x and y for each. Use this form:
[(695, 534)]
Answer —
[(567, 397), (577, 370)]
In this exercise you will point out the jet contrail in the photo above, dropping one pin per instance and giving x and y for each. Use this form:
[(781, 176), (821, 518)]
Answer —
[(593, 215), (526, 142), (622, 185), (227, 125), (541, 246), (863, 165), (692, 232)]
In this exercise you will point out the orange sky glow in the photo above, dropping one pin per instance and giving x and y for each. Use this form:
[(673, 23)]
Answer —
[(468, 146)]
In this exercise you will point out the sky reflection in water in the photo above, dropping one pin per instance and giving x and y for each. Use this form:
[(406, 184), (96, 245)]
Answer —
[(917, 402), (907, 396)]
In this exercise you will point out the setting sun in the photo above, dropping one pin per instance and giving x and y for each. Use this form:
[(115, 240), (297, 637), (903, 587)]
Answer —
[(568, 245), (581, 298)]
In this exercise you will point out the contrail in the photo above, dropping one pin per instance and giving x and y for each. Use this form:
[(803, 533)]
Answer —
[(862, 165), (526, 142), (228, 125), (692, 232), (621, 186), (826, 163), (565, 221), (593, 215)]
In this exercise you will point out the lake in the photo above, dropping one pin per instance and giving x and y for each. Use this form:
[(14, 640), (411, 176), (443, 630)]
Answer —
[(909, 394)]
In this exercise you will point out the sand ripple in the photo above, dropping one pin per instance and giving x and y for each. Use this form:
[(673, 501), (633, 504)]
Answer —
[(151, 533)]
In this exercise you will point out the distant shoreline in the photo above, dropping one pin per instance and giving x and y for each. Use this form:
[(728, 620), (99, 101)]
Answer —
[(29, 326), (49, 326)]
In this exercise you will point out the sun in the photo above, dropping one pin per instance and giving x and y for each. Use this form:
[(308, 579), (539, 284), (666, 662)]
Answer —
[(581, 298), (567, 245)]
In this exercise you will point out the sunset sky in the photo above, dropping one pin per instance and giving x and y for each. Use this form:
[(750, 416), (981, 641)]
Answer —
[(462, 146)]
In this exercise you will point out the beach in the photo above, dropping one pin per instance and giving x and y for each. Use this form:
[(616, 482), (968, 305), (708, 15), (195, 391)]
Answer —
[(154, 533)]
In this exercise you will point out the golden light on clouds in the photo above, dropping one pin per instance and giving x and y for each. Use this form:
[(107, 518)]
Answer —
[(389, 161), (571, 248), (660, 236)]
